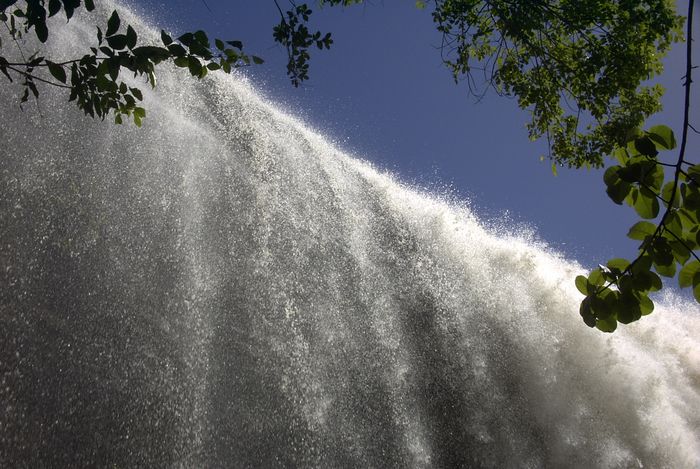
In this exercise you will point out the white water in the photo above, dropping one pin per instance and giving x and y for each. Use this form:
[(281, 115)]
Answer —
[(224, 288)]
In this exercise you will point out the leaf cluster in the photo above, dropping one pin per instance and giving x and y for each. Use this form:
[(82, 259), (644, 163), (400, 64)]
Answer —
[(576, 65), (618, 291), (95, 80), (293, 33)]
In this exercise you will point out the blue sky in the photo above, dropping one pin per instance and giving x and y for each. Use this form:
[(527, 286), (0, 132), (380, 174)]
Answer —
[(382, 94)]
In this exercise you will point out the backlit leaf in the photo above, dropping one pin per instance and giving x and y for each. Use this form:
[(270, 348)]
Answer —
[(663, 136), (689, 274), (641, 230)]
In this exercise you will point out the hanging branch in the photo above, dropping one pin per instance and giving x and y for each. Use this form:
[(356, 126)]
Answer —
[(673, 242)]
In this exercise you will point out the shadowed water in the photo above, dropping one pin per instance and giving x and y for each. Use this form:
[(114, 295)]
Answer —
[(224, 288)]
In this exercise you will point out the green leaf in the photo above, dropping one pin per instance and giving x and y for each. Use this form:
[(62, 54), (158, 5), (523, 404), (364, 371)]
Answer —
[(645, 203), (620, 154), (691, 196), (694, 173), (666, 193), (610, 176), (181, 62), (663, 135), (641, 230), (619, 191), (680, 252), (139, 114), (646, 306), (687, 217), (666, 270), (113, 23), (696, 292), (619, 264), (257, 60), (582, 284), (586, 313), (673, 225), (236, 44), (194, 65), (600, 308), (596, 278), (57, 71), (653, 176), (606, 325), (689, 274), (645, 280), (630, 309)]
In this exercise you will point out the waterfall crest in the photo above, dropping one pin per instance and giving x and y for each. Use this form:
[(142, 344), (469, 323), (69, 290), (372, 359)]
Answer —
[(225, 288)]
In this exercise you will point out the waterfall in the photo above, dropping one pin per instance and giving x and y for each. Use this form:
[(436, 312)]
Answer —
[(225, 288)]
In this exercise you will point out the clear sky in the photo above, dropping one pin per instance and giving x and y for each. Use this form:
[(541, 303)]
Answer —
[(382, 94)]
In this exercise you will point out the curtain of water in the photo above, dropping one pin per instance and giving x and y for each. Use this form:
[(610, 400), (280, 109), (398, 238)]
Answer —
[(224, 288)]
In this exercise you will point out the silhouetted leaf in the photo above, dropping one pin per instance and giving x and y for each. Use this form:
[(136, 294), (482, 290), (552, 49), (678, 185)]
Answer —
[(117, 42), (57, 71), (586, 313), (131, 37), (113, 24), (645, 146)]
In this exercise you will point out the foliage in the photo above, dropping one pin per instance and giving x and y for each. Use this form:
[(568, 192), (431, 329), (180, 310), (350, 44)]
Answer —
[(293, 33), (572, 63), (95, 80), (668, 247)]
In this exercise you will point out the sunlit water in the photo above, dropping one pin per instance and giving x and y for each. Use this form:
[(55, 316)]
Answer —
[(224, 288)]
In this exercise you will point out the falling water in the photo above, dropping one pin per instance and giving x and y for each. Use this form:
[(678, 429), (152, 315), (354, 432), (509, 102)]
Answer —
[(225, 288)]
